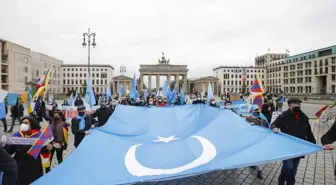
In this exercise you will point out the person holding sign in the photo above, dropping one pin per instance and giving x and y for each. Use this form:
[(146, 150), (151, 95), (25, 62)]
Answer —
[(29, 168)]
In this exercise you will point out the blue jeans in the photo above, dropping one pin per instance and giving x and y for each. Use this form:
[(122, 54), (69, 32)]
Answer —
[(288, 171)]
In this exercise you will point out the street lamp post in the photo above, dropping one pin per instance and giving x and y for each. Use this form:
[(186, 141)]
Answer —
[(89, 35)]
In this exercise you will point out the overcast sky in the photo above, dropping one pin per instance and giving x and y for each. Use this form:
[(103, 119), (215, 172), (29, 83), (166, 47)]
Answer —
[(200, 33)]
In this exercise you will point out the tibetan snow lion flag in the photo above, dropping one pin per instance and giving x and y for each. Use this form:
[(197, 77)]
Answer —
[(40, 141), (319, 113), (171, 142)]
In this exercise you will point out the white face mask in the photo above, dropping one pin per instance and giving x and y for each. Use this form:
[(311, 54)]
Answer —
[(114, 103), (151, 103), (24, 127)]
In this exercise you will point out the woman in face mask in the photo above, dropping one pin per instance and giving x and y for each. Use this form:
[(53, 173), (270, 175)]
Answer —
[(60, 132), (29, 168)]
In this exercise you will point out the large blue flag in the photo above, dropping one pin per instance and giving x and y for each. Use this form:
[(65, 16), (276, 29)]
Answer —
[(182, 97), (210, 94), (89, 96), (171, 142), (12, 98), (108, 92), (121, 90), (2, 110)]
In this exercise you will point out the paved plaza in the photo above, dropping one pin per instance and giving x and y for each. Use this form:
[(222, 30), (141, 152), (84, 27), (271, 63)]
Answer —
[(316, 169)]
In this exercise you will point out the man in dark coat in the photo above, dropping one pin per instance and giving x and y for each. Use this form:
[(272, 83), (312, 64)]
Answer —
[(268, 109), (328, 138), (81, 125), (4, 119), (17, 113), (8, 166), (103, 113), (296, 123)]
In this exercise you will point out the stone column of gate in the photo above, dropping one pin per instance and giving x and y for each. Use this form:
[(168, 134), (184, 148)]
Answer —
[(185, 84), (141, 83), (157, 82), (149, 82), (118, 88), (169, 80), (177, 80)]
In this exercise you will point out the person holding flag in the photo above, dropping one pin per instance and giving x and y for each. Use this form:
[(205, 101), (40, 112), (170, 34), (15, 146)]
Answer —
[(81, 125), (29, 167), (60, 132)]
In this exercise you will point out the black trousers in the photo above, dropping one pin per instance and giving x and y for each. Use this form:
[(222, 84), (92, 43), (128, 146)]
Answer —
[(288, 171), (59, 155), (5, 123), (13, 122)]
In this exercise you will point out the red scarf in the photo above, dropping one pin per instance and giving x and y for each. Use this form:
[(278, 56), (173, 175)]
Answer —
[(30, 133), (296, 115)]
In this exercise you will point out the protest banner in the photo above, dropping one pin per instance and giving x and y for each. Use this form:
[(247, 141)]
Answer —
[(275, 115), (10, 140)]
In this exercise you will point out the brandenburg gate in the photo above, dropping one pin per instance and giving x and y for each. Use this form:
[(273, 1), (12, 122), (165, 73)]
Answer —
[(164, 68)]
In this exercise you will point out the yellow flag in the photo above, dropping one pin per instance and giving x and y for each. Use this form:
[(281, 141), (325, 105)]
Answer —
[(24, 97)]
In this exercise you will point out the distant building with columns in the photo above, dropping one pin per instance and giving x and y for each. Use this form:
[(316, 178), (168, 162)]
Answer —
[(164, 68)]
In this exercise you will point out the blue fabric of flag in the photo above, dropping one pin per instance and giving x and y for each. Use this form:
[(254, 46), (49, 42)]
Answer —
[(12, 98), (182, 97), (121, 90), (210, 94), (145, 93), (2, 110), (70, 100), (89, 96), (171, 142), (108, 93)]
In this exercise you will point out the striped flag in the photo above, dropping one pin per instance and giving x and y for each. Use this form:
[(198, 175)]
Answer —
[(36, 148), (323, 109)]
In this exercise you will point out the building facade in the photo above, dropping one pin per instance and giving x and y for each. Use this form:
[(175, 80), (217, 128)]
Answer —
[(312, 72), (266, 59), (238, 79), (74, 77), (16, 67), (42, 63)]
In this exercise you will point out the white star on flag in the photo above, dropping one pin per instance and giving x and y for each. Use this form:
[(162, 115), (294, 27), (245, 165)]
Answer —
[(166, 139)]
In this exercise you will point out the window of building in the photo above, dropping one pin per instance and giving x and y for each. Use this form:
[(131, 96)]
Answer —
[(72, 69), (101, 82), (80, 69), (72, 82), (104, 75), (63, 81), (80, 82), (76, 74), (80, 74), (72, 75), (97, 75), (333, 77), (105, 82), (76, 69), (333, 60), (326, 70), (326, 62), (76, 82), (333, 89), (68, 81), (93, 75), (93, 82), (84, 75), (93, 69), (333, 69), (97, 82)]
